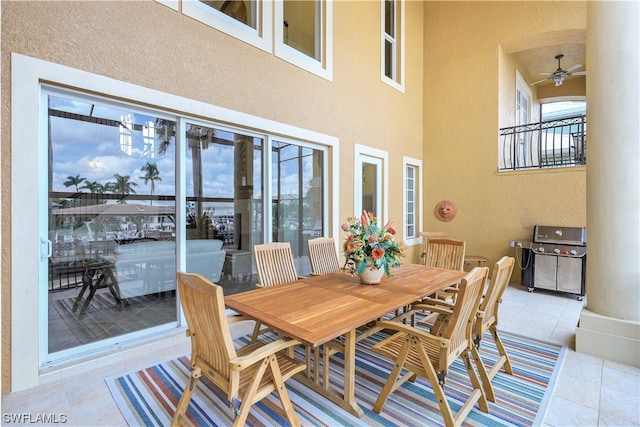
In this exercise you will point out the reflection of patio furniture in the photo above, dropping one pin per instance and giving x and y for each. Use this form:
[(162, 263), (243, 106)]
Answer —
[(206, 258), (94, 278), (148, 267), (237, 264)]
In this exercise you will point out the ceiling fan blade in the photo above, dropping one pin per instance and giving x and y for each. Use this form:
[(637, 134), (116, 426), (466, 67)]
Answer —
[(539, 81), (545, 74), (573, 67), (579, 73)]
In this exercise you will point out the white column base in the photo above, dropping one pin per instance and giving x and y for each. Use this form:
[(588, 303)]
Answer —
[(608, 338)]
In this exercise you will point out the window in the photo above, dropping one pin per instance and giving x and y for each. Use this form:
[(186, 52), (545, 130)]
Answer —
[(246, 20), (392, 44), (303, 35), (117, 173), (370, 181), (412, 200)]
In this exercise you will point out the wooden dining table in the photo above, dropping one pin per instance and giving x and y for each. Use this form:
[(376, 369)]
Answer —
[(319, 309)]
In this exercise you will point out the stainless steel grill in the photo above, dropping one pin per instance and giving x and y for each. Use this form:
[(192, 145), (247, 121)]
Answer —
[(556, 259)]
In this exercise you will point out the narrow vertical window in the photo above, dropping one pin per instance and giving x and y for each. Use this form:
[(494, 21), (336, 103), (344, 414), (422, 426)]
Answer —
[(389, 38), (410, 204), (412, 199), (300, 27), (392, 43), (303, 34)]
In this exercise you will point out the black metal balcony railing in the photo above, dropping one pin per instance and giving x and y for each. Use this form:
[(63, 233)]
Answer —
[(549, 144)]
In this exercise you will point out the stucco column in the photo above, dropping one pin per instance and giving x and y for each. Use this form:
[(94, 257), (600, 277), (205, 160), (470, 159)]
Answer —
[(610, 323)]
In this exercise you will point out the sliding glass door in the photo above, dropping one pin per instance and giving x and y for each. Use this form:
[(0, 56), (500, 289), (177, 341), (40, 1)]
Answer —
[(111, 219), (129, 189)]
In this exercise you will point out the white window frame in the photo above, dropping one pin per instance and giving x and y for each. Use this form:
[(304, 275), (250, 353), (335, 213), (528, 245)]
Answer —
[(416, 164), (522, 87), (323, 67), (260, 37), (28, 176), (398, 79), (173, 4), (367, 154)]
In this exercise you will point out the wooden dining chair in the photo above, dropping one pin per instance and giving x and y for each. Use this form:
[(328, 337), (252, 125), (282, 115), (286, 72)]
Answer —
[(430, 355), (445, 253), (245, 375), (274, 264), (426, 236), (323, 256), (487, 320)]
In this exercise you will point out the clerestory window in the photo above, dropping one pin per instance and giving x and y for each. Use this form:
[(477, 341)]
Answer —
[(392, 43), (301, 35)]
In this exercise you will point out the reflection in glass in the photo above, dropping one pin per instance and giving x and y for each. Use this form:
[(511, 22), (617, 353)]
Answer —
[(224, 193), (297, 198), (370, 187), (300, 27), (243, 11), (111, 222)]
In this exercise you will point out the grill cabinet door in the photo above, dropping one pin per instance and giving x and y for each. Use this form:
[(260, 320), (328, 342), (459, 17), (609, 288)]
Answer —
[(570, 275), (544, 273)]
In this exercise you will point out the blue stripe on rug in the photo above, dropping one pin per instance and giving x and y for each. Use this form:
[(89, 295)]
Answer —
[(148, 397)]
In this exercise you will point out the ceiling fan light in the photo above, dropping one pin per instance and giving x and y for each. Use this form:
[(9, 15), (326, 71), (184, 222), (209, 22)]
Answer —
[(558, 79)]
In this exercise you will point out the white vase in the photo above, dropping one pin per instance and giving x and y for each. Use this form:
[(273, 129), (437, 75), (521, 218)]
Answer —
[(371, 276)]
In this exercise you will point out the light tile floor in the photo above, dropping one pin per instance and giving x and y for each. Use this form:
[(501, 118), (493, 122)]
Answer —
[(589, 391)]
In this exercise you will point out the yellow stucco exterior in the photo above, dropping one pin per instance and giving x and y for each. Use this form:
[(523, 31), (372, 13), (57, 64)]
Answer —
[(458, 93)]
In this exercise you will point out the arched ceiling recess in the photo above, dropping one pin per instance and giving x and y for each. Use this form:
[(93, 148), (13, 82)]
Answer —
[(537, 53)]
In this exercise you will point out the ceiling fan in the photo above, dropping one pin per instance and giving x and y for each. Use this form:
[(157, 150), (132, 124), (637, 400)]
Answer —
[(559, 75)]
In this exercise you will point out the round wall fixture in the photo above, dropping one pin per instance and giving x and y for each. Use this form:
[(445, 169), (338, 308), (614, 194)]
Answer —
[(445, 210)]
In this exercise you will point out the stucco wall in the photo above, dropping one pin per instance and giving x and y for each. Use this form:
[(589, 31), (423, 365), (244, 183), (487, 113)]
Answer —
[(462, 106), (151, 45)]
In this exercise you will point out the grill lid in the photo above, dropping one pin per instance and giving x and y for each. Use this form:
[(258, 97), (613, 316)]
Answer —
[(576, 236)]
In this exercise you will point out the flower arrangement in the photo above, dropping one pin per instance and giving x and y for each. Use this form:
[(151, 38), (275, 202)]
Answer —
[(369, 246)]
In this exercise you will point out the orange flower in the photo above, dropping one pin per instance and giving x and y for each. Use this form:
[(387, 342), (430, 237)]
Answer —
[(377, 253)]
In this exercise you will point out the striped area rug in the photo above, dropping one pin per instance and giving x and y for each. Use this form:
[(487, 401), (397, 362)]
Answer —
[(148, 397)]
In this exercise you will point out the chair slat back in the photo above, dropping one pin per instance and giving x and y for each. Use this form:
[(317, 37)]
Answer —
[(500, 277), (460, 325), (211, 343), (428, 235), (274, 263), (445, 253), (323, 256)]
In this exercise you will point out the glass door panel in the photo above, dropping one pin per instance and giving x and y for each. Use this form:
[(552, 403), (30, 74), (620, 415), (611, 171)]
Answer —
[(224, 204), (371, 185), (297, 198), (111, 215)]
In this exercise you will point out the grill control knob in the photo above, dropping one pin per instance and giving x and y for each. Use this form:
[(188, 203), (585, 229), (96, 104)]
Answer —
[(574, 252), (556, 251), (540, 249)]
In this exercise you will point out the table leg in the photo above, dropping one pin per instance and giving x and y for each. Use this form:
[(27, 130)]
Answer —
[(350, 372), (346, 399)]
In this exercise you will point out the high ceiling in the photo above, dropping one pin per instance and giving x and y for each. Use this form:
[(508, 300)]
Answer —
[(542, 59)]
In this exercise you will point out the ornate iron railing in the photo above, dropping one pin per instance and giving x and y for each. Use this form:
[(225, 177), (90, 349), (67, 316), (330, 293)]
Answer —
[(549, 144)]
